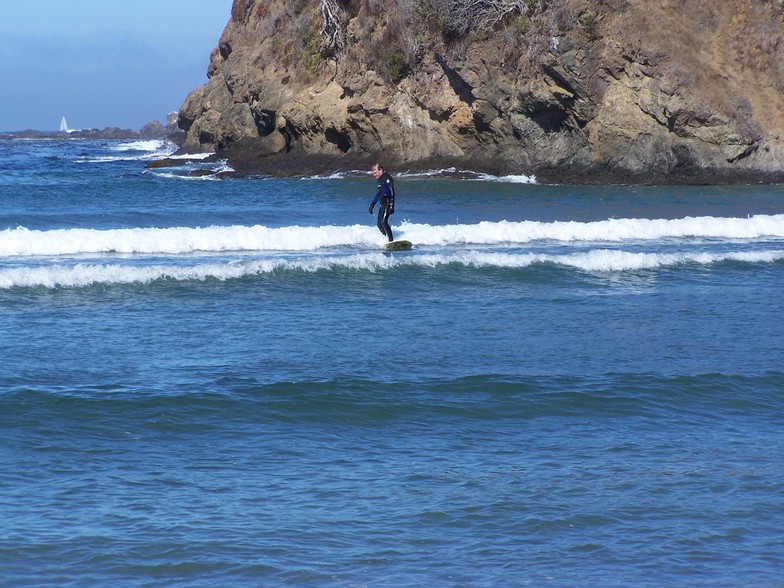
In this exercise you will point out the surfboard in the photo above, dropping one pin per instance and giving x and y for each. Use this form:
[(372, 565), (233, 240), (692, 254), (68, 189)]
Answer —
[(399, 245)]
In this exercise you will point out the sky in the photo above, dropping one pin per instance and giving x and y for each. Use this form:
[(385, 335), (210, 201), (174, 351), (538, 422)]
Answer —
[(103, 63)]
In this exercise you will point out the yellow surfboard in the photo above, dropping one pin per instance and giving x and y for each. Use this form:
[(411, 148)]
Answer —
[(399, 245)]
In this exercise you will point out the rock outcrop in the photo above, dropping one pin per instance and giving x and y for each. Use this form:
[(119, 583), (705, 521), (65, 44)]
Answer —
[(576, 90)]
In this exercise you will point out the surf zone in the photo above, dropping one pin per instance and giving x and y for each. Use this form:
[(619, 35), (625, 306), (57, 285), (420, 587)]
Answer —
[(22, 242)]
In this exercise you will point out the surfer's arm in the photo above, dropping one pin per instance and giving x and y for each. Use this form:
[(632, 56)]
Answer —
[(372, 204), (389, 192)]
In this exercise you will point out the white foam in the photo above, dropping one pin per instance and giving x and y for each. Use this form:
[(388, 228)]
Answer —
[(428, 173), (596, 261), (156, 145), (612, 230), (338, 175), (470, 176), (212, 171), (136, 151), (193, 156), (182, 240), (599, 260), (510, 179)]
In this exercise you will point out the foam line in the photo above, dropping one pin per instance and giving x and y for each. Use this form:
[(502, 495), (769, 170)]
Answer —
[(183, 240), (595, 261)]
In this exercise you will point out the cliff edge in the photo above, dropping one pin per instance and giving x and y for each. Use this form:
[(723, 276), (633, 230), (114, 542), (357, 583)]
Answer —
[(575, 90)]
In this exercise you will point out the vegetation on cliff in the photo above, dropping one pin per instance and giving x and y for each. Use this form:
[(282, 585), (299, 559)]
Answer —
[(576, 89)]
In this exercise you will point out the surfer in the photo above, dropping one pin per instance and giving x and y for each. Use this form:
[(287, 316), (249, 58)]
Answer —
[(385, 196)]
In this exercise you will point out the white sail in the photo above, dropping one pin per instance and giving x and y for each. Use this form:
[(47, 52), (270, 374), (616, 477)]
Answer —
[(63, 125)]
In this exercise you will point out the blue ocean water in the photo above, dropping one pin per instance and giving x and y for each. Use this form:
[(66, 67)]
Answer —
[(227, 383)]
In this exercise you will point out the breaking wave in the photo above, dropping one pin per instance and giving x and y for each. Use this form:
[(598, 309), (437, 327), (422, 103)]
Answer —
[(182, 240), (142, 150), (81, 257), (601, 260)]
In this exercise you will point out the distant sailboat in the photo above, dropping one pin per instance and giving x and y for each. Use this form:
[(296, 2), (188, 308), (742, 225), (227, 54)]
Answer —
[(63, 125)]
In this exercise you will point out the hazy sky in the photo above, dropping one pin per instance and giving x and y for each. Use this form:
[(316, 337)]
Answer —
[(102, 63)]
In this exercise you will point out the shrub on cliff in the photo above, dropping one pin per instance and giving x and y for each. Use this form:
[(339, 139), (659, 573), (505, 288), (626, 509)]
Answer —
[(459, 17)]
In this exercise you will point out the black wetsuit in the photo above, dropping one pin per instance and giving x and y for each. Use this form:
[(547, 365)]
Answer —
[(385, 196)]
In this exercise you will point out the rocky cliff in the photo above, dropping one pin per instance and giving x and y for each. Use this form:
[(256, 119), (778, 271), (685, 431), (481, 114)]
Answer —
[(573, 90)]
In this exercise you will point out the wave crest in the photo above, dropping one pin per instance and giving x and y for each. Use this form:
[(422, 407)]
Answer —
[(21, 242), (595, 261)]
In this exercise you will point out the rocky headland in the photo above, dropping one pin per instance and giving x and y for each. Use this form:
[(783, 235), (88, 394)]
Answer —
[(623, 91)]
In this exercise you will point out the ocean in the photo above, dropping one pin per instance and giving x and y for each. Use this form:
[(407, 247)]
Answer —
[(211, 382)]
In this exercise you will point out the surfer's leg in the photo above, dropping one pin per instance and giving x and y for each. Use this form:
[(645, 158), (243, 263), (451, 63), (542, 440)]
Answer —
[(383, 222)]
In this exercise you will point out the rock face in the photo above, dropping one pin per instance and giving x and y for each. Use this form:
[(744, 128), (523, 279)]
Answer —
[(575, 90)]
